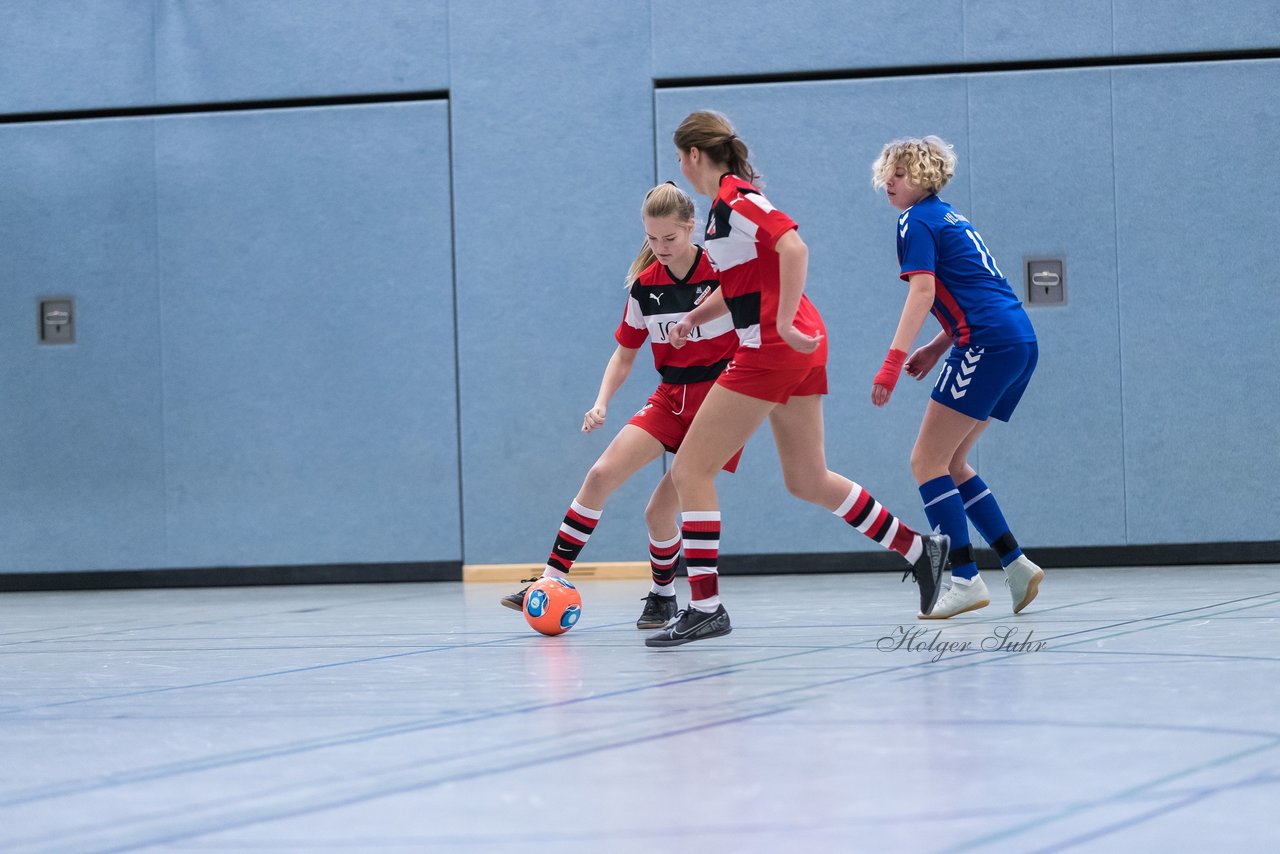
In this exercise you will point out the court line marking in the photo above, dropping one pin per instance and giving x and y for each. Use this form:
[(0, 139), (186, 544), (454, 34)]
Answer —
[(1185, 801), (954, 664), (123, 629), (1124, 794), (723, 672), (221, 823), (157, 772)]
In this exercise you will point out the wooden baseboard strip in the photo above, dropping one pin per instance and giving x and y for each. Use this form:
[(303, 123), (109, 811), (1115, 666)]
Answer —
[(514, 573)]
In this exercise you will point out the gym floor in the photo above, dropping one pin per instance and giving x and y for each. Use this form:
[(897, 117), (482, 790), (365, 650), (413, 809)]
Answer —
[(1125, 710)]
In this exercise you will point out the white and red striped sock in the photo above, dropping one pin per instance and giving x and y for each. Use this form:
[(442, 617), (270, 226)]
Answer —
[(700, 530), (874, 520)]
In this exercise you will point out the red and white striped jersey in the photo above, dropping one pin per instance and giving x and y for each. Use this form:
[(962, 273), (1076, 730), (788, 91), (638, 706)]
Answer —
[(656, 302), (742, 230)]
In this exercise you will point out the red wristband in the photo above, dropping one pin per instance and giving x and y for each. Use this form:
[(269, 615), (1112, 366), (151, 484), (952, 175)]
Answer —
[(892, 367)]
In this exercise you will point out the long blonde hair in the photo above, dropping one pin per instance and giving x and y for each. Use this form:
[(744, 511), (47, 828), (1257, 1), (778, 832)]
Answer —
[(712, 133), (929, 162), (664, 200)]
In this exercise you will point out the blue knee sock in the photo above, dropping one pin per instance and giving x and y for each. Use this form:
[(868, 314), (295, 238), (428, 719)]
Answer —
[(944, 509), (984, 512)]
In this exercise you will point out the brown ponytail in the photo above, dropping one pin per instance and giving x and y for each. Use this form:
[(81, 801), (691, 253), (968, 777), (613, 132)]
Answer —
[(712, 133)]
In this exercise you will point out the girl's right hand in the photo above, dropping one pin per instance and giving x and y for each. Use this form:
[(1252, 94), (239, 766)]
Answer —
[(679, 334), (593, 419), (921, 362)]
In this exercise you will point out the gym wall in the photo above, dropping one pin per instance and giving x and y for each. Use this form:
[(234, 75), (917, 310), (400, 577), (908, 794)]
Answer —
[(346, 274)]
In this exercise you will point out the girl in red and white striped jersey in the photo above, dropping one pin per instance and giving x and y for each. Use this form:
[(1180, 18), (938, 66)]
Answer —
[(670, 276), (778, 372)]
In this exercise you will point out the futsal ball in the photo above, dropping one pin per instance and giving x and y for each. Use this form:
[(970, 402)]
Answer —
[(552, 605)]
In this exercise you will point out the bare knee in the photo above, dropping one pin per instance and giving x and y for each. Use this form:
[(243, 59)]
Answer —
[(925, 467), (660, 514), (919, 467), (803, 486), (602, 479), (688, 476)]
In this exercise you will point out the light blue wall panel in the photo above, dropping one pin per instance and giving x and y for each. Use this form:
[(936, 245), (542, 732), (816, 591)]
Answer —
[(761, 36), (1041, 170), (75, 54), (242, 49), (308, 336), (81, 480), (1003, 30), (1195, 172), (1174, 26), (822, 178), (553, 152)]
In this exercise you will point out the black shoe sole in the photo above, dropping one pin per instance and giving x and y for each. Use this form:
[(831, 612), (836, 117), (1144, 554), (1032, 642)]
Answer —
[(652, 624), (664, 642), (514, 607)]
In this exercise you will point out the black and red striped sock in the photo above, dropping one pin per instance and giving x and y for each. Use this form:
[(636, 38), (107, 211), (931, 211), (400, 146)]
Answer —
[(575, 530), (662, 563)]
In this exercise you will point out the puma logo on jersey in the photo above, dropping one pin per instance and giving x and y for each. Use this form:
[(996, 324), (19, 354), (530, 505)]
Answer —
[(760, 201), (656, 298)]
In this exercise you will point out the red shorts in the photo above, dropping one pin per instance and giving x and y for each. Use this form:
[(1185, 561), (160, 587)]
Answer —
[(774, 384), (669, 412)]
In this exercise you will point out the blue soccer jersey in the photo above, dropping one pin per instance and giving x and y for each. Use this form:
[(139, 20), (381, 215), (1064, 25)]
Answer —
[(972, 299)]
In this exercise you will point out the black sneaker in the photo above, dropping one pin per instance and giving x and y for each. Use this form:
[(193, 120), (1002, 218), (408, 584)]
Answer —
[(929, 567), (516, 600), (691, 625), (658, 611)]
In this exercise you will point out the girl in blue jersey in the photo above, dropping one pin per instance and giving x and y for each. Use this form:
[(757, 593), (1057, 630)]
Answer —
[(950, 271)]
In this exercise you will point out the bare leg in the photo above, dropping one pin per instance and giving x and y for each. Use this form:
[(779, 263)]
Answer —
[(799, 434), (723, 424), (662, 514), (631, 450), (945, 438)]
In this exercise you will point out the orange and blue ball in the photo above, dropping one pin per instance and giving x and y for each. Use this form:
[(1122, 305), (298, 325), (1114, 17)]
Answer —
[(552, 605)]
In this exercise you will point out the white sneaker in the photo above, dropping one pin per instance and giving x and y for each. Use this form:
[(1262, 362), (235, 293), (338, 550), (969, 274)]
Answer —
[(1023, 578), (963, 595)]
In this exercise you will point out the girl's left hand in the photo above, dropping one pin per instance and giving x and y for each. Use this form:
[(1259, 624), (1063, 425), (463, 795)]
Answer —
[(880, 394), (921, 362), (798, 341)]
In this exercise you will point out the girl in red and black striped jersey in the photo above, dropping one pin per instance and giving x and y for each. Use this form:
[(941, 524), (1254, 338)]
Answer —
[(778, 372), (669, 277)]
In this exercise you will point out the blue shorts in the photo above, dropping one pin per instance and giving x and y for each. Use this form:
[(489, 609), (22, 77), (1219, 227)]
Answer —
[(986, 382)]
